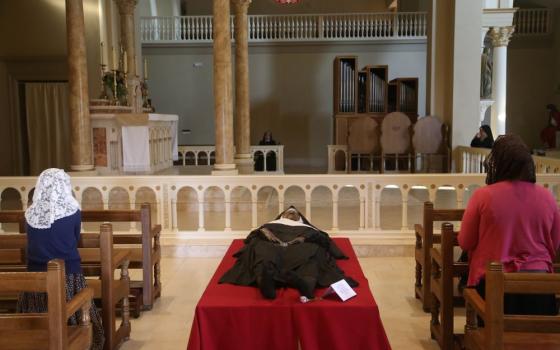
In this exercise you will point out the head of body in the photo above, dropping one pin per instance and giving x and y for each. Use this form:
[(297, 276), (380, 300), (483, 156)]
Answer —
[(485, 132), (291, 214), (52, 199), (509, 160)]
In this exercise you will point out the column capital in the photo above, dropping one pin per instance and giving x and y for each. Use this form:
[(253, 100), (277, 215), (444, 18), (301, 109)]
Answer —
[(501, 35), (126, 7)]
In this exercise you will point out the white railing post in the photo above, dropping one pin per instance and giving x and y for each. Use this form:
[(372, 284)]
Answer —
[(254, 202), (335, 209), (228, 209), (200, 197), (404, 194), (174, 213)]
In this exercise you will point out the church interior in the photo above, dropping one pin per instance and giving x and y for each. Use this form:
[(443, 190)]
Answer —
[(186, 125)]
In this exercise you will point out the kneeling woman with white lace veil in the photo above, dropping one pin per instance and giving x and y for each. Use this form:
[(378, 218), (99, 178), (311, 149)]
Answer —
[(53, 232), (287, 252)]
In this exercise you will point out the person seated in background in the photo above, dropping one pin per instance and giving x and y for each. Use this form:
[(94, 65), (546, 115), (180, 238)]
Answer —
[(53, 232), (287, 252), (483, 138), (512, 221), (270, 156), (548, 134)]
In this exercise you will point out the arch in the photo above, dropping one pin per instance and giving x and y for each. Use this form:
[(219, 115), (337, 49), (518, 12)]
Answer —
[(241, 208), (119, 200), (267, 204), (295, 195), (212, 158), (190, 158), (147, 195), (187, 209), (202, 158), (321, 207), (349, 208), (258, 159), (92, 199), (469, 190), (416, 198), (271, 160), (390, 208), (446, 197), (10, 199), (214, 209)]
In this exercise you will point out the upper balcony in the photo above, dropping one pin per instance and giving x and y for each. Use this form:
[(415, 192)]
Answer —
[(351, 27), (401, 26)]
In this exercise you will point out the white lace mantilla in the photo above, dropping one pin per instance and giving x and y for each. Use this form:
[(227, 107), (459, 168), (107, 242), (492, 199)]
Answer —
[(52, 199)]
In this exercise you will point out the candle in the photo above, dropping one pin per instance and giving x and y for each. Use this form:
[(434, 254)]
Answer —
[(145, 68), (115, 59), (101, 53), (125, 63)]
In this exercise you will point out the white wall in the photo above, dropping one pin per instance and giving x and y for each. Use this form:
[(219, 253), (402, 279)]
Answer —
[(291, 91)]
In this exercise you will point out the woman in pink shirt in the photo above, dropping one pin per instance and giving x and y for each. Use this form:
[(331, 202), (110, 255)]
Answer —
[(514, 221)]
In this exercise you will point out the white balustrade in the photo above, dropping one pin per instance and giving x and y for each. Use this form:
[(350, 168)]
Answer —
[(533, 21), (222, 196), (277, 28), (203, 155)]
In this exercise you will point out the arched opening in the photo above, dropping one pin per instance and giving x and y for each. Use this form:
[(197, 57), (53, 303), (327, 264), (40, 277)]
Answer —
[(348, 208), (214, 209), (267, 204), (241, 208), (321, 207), (187, 209)]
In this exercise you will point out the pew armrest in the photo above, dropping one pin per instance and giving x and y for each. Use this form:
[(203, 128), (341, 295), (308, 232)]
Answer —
[(474, 299), (156, 230), (83, 298), (436, 256), (120, 258)]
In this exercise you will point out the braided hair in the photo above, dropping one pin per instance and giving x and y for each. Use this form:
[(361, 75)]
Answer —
[(510, 159)]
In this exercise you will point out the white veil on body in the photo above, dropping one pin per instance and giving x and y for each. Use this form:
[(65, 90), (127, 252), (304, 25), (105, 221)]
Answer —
[(52, 199)]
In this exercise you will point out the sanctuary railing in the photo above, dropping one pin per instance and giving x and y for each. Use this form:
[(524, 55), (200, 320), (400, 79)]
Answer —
[(379, 208), (280, 28)]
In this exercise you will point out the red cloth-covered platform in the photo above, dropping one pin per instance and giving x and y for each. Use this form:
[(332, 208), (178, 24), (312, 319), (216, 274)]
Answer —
[(230, 317)]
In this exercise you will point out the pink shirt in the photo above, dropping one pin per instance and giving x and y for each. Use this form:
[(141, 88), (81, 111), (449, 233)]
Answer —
[(514, 222)]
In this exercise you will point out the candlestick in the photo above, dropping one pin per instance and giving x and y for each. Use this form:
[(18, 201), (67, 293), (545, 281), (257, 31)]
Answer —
[(125, 64), (115, 59), (101, 53), (145, 68)]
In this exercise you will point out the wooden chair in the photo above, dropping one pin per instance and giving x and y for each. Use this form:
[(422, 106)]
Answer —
[(510, 331), (445, 295), (50, 330), (100, 261), (430, 146), (395, 142), (363, 145), (425, 239), (145, 253)]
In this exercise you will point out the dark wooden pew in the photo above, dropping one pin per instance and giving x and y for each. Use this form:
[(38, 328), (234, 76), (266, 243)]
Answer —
[(45, 330), (425, 240), (510, 331), (145, 251), (445, 295), (99, 263)]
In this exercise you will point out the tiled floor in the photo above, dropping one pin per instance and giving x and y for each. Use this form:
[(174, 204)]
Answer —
[(168, 325)]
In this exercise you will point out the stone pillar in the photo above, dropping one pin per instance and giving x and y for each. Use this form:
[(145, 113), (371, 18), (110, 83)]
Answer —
[(223, 116), (126, 11), (82, 148), (500, 40), (243, 157)]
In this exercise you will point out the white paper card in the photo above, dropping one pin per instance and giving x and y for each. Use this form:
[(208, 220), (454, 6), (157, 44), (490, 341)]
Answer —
[(342, 289)]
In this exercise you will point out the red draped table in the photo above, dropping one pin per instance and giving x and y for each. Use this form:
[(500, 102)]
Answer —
[(236, 317)]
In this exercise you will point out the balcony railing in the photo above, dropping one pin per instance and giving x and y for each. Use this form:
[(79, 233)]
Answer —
[(281, 28), (533, 22)]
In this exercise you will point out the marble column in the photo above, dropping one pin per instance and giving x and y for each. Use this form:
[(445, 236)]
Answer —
[(223, 106), (81, 139), (126, 12), (500, 40), (243, 157)]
